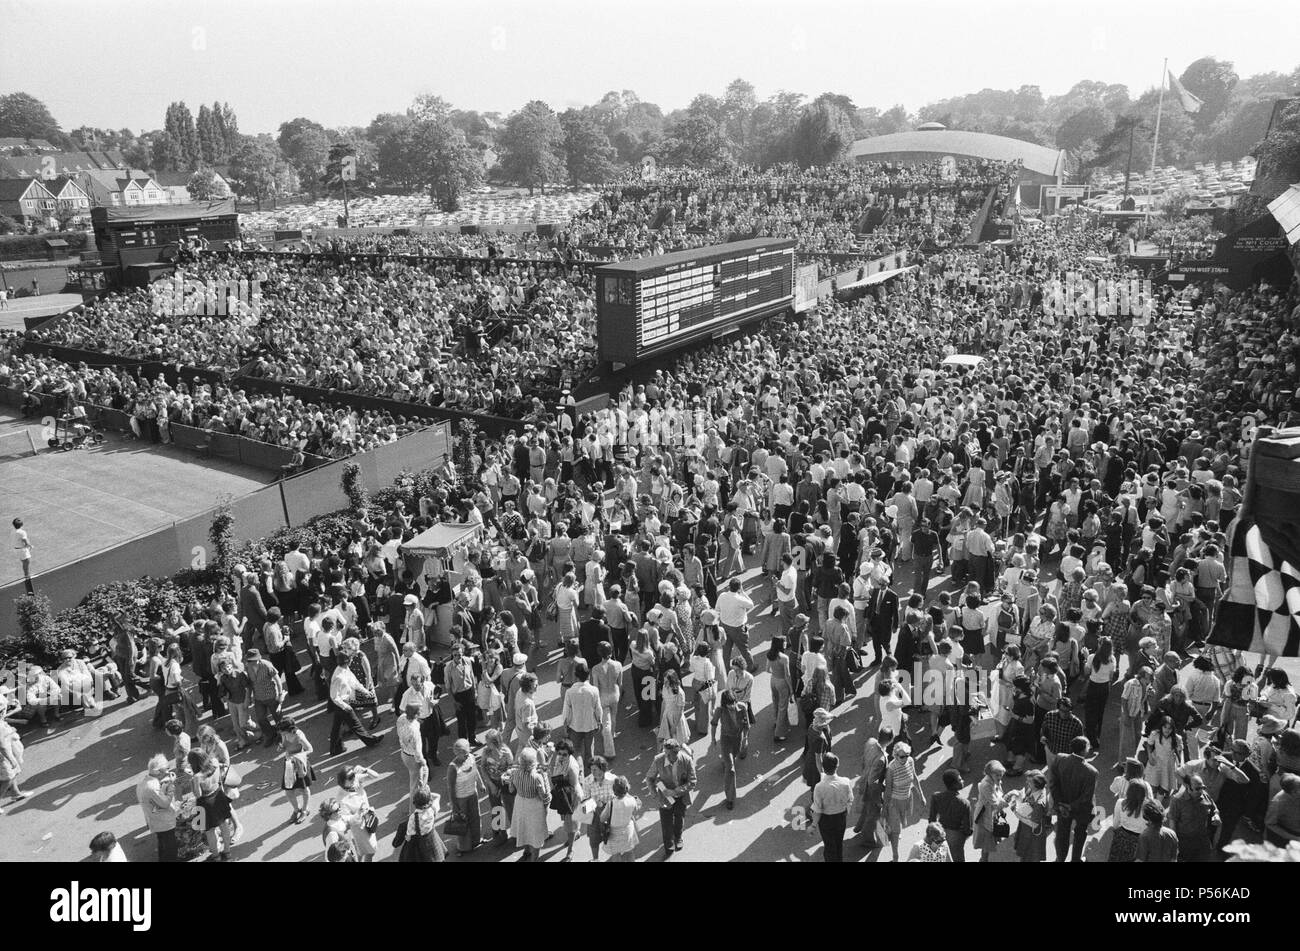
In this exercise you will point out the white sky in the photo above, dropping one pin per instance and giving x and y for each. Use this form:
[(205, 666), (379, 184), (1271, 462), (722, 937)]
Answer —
[(114, 63)]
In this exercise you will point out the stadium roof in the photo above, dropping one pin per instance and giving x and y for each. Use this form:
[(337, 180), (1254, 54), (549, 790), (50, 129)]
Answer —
[(1036, 158)]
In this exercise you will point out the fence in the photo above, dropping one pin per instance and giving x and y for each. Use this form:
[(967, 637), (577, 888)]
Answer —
[(185, 544)]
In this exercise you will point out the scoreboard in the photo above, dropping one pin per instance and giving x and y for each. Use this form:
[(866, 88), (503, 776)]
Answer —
[(142, 234), (652, 305)]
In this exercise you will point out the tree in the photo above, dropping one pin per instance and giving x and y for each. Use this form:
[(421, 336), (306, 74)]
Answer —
[(532, 147), (822, 135), (23, 116), (179, 124), (257, 170), (424, 150), (1279, 154), (1212, 81), (165, 154), (211, 140), (205, 186), (1091, 122), (736, 110), (308, 152), (694, 140), (587, 152)]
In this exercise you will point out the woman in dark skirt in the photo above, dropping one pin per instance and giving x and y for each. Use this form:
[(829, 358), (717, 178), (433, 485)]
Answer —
[(566, 780), (210, 796), (419, 840), (972, 627), (1021, 734)]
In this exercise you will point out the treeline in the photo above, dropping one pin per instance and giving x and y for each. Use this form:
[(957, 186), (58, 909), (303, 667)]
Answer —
[(434, 147)]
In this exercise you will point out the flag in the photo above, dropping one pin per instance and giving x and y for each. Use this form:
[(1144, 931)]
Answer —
[(1191, 105), (1260, 611)]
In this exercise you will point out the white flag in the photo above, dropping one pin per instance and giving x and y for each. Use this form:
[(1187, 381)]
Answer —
[(1191, 105)]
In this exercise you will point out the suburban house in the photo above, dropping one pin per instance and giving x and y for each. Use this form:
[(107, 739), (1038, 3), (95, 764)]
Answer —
[(70, 197), (139, 189), (60, 163), (26, 199), (177, 185)]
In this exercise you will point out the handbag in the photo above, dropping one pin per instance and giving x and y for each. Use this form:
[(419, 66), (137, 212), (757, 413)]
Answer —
[(370, 821), (456, 825), (792, 711), (1001, 826)]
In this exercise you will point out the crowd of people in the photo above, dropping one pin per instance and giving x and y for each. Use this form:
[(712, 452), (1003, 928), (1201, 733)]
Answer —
[(319, 431), (1025, 547)]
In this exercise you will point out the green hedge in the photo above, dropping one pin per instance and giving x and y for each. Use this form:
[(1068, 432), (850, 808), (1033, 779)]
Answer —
[(17, 246)]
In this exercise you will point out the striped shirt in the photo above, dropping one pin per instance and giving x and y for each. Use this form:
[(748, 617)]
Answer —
[(900, 777)]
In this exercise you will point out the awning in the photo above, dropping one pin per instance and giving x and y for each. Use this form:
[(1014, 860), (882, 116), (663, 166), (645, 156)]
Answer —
[(1286, 209), (878, 278), (963, 360), (441, 539)]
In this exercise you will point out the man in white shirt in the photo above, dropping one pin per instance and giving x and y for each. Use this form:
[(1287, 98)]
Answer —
[(345, 689), (423, 694), (787, 595), (411, 745), (733, 614), (583, 712), (607, 676)]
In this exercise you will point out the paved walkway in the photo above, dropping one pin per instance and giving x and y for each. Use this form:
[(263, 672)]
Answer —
[(80, 779)]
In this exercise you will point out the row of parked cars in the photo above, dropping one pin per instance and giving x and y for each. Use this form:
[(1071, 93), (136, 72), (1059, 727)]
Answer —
[(1208, 183)]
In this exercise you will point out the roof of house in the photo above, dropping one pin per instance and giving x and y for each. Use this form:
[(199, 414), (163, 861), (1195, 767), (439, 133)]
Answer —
[(57, 185), (936, 142), (12, 142), (18, 166), (12, 189)]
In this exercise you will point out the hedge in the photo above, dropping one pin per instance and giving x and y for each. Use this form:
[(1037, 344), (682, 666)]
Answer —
[(17, 246)]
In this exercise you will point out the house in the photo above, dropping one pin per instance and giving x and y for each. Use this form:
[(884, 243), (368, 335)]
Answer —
[(177, 185), (26, 200), (71, 199), (139, 189)]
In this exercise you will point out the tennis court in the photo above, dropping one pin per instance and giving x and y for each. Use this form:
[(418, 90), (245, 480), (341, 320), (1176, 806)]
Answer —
[(75, 503)]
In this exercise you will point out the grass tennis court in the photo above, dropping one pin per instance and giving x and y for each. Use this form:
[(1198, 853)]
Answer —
[(75, 503)]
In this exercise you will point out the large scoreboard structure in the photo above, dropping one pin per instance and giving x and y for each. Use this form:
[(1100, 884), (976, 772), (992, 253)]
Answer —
[(650, 306), (150, 234)]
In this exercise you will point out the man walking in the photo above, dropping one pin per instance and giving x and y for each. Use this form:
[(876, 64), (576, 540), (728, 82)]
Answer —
[(345, 691), (1072, 781), (583, 712), (671, 778), (832, 798), (733, 613), (608, 679), (410, 742), (268, 694)]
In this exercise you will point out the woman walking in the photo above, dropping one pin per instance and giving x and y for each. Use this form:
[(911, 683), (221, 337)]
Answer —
[(464, 784), (532, 789), (1032, 806), (620, 820), (778, 668), (298, 772), (422, 842), (355, 810), (989, 808), (1102, 670), (11, 760)]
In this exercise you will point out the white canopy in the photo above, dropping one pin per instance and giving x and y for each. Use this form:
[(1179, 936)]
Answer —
[(963, 360), (441, 539)]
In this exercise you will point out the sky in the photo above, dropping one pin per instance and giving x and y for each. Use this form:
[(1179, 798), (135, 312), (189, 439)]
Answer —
[(115, 63)]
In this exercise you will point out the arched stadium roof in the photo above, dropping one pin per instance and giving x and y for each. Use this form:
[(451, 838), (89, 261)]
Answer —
[(935, 142)]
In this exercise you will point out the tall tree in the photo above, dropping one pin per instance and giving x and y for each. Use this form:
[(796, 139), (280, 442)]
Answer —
[(205, 186), (258, 171), (822, 135), (695, 139), (179, 123), (211, 140), (532, 147), (1212, 81), (587, 152), (165, 154), (23, 116)]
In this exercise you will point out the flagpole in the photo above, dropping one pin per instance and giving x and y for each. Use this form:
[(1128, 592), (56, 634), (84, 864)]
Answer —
[(1155, 142)]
